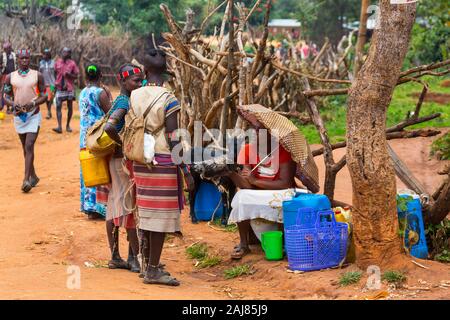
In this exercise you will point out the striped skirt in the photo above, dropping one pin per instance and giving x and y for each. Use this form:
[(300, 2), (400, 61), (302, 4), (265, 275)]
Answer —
[(158, 197), (120, 184)]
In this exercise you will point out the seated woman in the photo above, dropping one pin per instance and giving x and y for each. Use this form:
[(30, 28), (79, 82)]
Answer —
[(274, 172)]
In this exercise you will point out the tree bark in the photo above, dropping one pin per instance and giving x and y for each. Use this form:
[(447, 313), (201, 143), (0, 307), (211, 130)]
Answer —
[(362, 36), (441, 207), (373, 178)]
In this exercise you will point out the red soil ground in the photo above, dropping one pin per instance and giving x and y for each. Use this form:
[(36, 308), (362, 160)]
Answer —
[(43, 233)]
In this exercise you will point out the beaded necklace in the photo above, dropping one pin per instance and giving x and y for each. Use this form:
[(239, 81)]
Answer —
[(154, 84), (23, 73)]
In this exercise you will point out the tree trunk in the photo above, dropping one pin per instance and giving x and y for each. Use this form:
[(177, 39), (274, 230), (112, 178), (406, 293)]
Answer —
[(441, 207), (373, 178), (362, 36)]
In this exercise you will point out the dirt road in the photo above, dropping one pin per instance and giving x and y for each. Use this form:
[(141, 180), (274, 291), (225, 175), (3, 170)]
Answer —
[(43, 234)]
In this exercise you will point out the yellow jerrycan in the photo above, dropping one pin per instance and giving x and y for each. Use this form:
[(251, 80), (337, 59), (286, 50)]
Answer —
[(95, 170)]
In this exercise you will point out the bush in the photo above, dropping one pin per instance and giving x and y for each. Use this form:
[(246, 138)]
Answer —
[(349, 278), (441, 147), (395, 277)]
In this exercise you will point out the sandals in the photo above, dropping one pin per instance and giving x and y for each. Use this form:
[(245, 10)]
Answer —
[(26, 186), (161, 267), (157, 276), (118, 264), (134, 265), (239, 252), (34, 181)]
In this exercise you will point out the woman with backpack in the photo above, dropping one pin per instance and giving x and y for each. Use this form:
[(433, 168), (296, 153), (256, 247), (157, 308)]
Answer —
[(130, 78), (158, 184)]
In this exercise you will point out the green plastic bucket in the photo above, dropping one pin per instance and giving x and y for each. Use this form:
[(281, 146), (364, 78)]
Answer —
[(272, 244)]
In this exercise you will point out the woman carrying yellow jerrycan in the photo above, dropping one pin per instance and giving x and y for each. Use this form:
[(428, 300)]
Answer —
[(95, 102)]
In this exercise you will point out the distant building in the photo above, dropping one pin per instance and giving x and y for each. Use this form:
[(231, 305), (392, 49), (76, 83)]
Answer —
[(283, 26)]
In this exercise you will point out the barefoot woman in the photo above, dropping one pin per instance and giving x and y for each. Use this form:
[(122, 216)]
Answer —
[(20, 90)]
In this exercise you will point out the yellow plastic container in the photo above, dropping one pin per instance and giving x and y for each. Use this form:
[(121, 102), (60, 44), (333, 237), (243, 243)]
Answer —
[(2, 115), (95, 170), (344, 216), (105, 141)]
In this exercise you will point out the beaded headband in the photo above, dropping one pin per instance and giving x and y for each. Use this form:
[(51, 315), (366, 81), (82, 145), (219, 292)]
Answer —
[(23, 52), (126, 74)]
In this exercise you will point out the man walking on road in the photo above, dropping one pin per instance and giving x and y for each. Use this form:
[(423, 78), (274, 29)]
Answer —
[(47, 69), (66, 73)]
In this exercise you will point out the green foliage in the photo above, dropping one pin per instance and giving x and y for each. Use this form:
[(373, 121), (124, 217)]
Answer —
[(238, 271), (334, 111), (430, 40), (441, 146), (139, 17), (439, 236), (227, 228), (395, 277), (197, 251), (349, 278)]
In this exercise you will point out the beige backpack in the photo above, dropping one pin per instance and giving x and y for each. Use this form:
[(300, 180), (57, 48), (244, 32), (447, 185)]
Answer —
[(133, 133)]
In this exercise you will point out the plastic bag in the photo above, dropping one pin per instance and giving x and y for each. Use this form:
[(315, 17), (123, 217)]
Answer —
[(149, 148)]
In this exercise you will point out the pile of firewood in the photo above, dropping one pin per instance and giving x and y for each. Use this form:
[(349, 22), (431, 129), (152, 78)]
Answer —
[(214, 74)]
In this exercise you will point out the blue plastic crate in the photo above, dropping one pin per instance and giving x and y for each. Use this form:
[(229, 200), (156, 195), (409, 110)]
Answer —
[(316, 246)]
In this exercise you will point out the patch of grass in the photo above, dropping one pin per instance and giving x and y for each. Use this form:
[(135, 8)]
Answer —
[(350, 277), (392, 276), (238, 271), (444, 256), (441, 147), (227, 228), (197, 251), (334, 111), (209, 261)]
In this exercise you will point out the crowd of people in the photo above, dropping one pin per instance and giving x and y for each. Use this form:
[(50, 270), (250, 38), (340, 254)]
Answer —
[(158, 198)]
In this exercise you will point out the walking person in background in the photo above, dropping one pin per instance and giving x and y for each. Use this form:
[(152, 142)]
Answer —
[(8, 65), (95, 102), (47, 69), (159, 194), (66, 73), (130, 77), (21, 95)]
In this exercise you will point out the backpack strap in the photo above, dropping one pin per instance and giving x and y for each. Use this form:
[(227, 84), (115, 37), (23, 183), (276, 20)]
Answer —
[(153, 104)]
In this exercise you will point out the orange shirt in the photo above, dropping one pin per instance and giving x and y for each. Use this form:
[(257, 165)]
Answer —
[(270, 168)]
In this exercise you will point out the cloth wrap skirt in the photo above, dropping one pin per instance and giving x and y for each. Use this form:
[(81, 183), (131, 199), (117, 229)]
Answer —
[(120, 185), (159, 196)]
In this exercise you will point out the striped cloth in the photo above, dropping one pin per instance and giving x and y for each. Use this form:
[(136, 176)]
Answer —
[(158, 197), (102, 193), (172, 105), (64, 96)]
